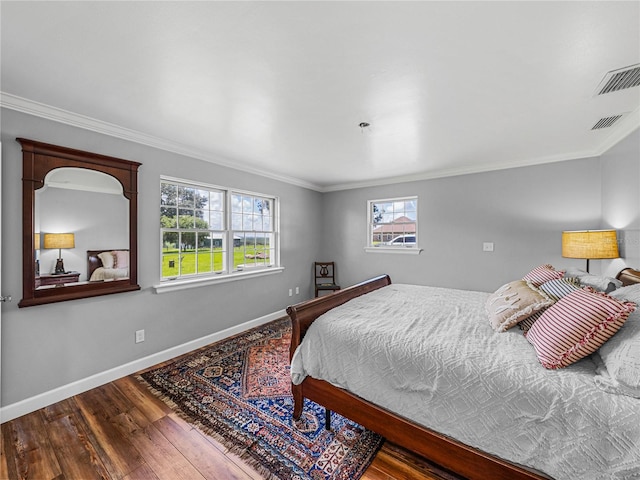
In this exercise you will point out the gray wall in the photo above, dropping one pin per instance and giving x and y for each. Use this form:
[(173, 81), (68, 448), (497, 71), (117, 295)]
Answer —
[(49, 346), (621, 200), (522, 210)]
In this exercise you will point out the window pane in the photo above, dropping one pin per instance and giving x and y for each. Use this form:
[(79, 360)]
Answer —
[(236, 221), (202, 219), (187, 253), (236, 203), (185, 196), (247, 222), (216, 202), (168, 217), (216, 221), (201, 199), (170, 257), (387, 217), (168, 194), (204, 253), (185, 218), (238, 250)]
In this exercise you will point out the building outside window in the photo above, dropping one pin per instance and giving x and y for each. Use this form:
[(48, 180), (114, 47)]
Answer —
[(393, 223)]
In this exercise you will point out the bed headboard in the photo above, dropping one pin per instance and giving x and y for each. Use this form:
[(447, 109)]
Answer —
[(629, 276), (93, 261)]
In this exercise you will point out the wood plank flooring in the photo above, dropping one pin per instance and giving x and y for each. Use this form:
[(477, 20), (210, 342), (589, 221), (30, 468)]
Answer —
[(120, 431)]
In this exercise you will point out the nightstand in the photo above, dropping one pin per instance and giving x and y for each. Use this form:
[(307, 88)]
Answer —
[(58, 280)]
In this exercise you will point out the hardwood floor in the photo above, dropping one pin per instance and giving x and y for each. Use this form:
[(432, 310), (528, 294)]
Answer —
[(120, 431)]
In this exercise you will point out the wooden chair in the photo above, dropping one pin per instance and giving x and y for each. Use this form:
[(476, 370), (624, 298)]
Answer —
[(325, 276)]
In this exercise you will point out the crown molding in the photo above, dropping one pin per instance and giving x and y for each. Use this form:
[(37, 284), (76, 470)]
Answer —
[(454, 172), (37, 109), (628, 124)]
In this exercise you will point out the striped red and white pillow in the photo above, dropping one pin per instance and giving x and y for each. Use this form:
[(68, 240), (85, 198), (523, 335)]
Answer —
[(543, 273), (576, 326)]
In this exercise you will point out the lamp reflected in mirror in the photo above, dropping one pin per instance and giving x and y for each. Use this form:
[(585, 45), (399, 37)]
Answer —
[(36, 253), (59, 241)]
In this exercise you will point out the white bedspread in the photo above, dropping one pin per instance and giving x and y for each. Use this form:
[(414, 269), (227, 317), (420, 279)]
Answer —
[(102, 273), (430, 355)]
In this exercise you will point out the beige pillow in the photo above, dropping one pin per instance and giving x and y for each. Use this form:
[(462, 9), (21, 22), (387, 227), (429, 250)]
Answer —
[(107, 259), (514, 302)]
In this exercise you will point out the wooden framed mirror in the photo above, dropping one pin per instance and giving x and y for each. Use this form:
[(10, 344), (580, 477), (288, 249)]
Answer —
[(52, 167)]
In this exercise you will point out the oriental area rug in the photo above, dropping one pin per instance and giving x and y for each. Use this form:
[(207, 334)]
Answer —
[(238, 390)]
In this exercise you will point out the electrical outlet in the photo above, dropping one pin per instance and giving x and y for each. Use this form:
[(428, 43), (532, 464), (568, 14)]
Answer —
[(487, 247), (297, 290), (290, 292), (139, 336)]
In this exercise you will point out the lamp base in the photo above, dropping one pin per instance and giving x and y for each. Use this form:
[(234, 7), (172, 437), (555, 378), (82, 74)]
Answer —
[(59, 267)]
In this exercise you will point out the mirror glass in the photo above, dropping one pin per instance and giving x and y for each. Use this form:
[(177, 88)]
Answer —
[(91, 206), (79, 223)]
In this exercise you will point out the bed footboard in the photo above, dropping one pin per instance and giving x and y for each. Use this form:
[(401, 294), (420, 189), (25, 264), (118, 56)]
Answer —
[(303, 315)]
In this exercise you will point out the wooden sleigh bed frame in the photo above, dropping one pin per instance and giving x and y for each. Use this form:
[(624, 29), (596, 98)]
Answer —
[(440, 449)]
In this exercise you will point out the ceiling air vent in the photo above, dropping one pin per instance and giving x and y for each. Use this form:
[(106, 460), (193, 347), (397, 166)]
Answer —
[(620, 79), (606, 122)]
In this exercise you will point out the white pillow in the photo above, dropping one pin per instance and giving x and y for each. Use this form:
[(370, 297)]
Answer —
[(621, 353), (107, 259), (600, 283)]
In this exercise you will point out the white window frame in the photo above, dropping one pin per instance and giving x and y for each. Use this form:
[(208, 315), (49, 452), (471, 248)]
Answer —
[(383, 248), (228, 274)]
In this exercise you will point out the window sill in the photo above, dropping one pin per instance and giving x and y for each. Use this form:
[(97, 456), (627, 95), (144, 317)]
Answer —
[(183, 284), (395, 250)]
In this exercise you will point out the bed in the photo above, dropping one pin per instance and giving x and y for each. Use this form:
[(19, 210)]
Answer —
[(509, 439), (107, 265)]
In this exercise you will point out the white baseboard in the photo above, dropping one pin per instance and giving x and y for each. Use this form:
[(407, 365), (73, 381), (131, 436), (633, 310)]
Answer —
[(42, 400)]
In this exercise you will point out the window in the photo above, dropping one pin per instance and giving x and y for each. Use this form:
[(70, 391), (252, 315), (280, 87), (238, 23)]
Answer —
[(208, 231), (393, 225)]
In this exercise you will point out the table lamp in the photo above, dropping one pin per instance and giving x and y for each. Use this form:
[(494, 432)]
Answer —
[(590, 244), (59, 241)]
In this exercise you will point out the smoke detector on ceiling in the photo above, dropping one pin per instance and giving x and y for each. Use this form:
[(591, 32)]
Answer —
[(620, 79)]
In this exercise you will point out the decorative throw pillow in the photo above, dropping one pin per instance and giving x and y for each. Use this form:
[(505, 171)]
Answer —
[(576, 326), (556, 289), (514, 302), (542, 274), (107, 259), (526, 324), (560, 287), (621, 354), (122, 258)]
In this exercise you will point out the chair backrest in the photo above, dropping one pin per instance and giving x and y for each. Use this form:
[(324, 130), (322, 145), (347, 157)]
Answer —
[(325, 273)]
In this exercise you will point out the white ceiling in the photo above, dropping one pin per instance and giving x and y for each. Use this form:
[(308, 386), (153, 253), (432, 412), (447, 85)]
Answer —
[(281, 87)]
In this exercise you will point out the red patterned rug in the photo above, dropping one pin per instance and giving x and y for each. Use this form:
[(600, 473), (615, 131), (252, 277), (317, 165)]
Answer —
[(239, 391)]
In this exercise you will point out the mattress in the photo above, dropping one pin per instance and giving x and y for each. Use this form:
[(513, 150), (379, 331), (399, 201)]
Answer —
[(430, 355)]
